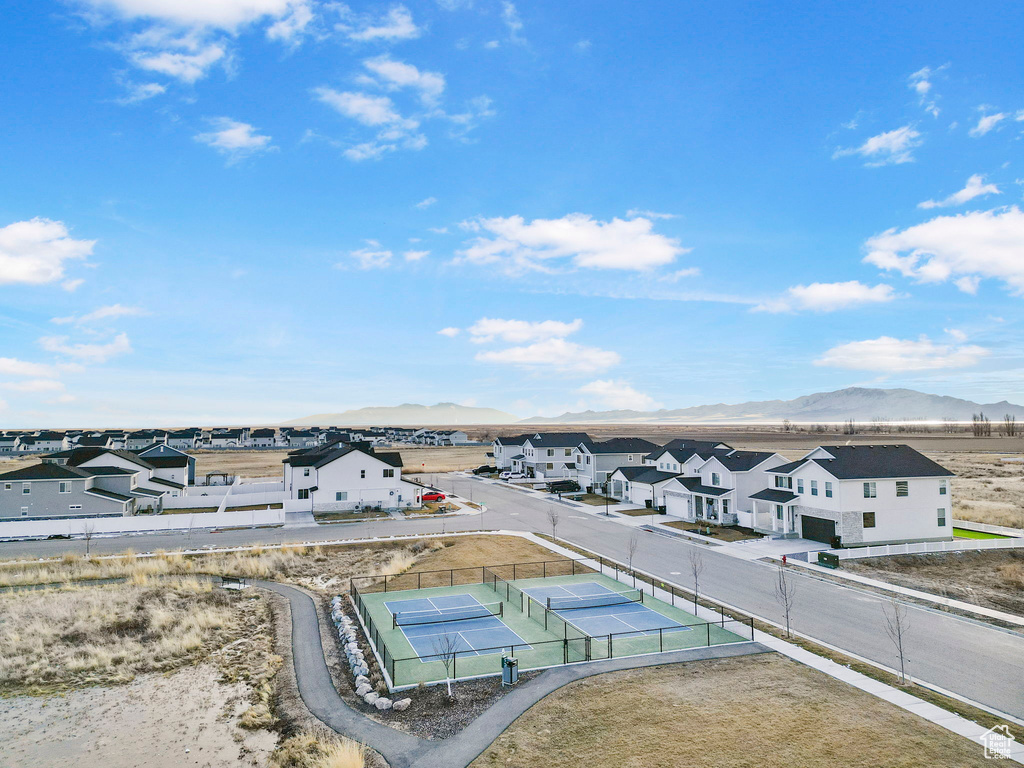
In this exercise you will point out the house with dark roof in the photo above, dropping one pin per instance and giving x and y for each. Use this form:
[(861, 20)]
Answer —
[(595, 461), (344, 477), (504, 448), (148, 486), (640, 485), (549, 455), (857, 495), (47, 491), (263, 438), (716, 485), (170, 463)]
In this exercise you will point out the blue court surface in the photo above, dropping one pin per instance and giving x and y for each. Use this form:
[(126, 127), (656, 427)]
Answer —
[(626, 619), (476, 632)]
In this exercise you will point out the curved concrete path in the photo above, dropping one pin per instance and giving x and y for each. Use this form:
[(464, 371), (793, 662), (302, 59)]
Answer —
[(403, 750)]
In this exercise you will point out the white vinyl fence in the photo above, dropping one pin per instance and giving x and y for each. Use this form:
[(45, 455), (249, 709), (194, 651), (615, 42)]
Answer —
[(920, 548), (970, 525), (26, 529)]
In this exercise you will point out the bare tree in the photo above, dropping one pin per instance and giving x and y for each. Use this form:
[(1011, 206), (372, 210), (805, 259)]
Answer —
[(787, 425), (445, 648), (553, 515), (896, 626), (696, 569), (785, 594), (88, 530), (631, 548), (1010, 425)]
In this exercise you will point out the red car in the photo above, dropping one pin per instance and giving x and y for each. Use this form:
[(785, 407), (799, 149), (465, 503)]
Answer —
[(433, 496)]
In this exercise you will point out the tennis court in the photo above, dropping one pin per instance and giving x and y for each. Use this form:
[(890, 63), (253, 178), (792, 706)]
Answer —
[(473, 627), (597, 610)]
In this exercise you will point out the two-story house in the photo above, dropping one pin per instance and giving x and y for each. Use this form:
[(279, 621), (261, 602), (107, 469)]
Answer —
[(505, 448), (48, 490), (595, 461), (549, 455), (346, 477), (717, 489)]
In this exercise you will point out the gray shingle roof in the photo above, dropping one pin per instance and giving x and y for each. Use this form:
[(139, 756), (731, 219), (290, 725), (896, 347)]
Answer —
[(645, 475), (622, 445), (743, 461), (778, 497), (694, 485), (45, 471), (853, 462)]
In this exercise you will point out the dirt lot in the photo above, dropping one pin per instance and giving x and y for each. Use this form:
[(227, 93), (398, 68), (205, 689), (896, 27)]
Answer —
[(761, 712), (993, 579)]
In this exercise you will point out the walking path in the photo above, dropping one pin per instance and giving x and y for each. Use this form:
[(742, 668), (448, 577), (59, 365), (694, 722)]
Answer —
[(403, 750)]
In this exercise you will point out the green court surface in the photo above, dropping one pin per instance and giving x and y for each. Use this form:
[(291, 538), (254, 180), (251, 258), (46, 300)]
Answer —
[(964, 533), (547, 638)]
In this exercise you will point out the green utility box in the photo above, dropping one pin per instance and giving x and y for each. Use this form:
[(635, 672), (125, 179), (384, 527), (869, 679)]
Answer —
[(828, 560)]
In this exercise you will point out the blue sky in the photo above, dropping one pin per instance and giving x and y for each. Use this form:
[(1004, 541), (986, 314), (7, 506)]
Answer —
[(222, 211)]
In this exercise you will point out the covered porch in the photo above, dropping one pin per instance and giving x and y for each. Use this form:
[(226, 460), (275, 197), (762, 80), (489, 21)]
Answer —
[(774, 512)]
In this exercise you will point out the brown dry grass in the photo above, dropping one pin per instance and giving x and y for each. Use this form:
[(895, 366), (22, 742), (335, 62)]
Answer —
[(993, 578), (717, 532), (109, 634), (987, 489), (318, 749), (758, 711), (475, 551)]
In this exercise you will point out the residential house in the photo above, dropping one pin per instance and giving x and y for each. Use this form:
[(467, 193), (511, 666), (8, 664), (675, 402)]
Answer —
[(170, 463), (640, 485), (48, 490), (594, 461), (263, 438), (855, 495), (184, 439), (228, 438), (719, 490), (344, 478), (549, 455), (504, 448), (148, 487), (10, 443)]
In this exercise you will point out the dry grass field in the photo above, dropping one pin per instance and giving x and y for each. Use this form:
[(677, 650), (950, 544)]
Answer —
[(756, 712)]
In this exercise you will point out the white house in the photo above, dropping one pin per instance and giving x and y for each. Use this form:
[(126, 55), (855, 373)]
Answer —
[(718, 489), (549, 455), (263, 438), (170, 463), (504, 448), (860, 495), (593, 462), (347, 478), (639, 485), (684, 455), (146, 484)]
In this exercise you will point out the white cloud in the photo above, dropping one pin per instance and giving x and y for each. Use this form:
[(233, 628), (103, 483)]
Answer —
[(890, 148), (581, 46), (292, 27), (368, 258), (898, 355), (11, 366), (141, 91), (187, 67), (102, 313), (367, 109), (72, 285), (219, 14), (975, 187), (426, 203), (34, 385), (921, 83), (438, 230), (514, 24), (35, 251), (450, 332), (521, 331), (555, 354), (634, 213), (618, 395), (828, 297), (397, 24), (235, 139), (680, 274), (397, 74), (415, 255), (986, 123), (618, 244), (90, 353), (963, 248)]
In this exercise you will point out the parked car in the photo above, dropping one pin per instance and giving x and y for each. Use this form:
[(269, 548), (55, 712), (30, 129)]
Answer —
[(563, 486), (434, 496), (484, 469), (507, 475)]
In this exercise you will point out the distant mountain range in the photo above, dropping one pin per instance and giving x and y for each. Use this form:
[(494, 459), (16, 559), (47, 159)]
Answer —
[(857, 403), (407, 414)]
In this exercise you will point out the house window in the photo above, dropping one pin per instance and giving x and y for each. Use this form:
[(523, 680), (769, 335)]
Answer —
[(870, 491), (568, 451), (64, 488), (551, 451), (943, 488), (902, 488), (588, 458), (305, 472), (389, 473), (362, 474), (24, 511), (341, 496), (778, 511), (26, 488), (550, 465), (715, 480), (725, 506), (8, 486), (869, 519), (942, 518), (828, 490), (800, 486), (303, 493), (74, 506), (814, 487)]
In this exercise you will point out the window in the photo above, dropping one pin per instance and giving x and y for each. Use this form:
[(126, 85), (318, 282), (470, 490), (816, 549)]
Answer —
[(568, 451), (828, 490), (588, 458), (778, 511), (800, 486), (551, 451), (362, 474), (550, 465), (725, 506), (24, 511), (629, 457), (303, 493), (389, 473), (943, 488), (8, 486), (74, 506), (26, 488), (942, 518), (902, 488), (305, 472), (870, 491), (715, 480), (64, 488), (341, 496), (814, 487), (869, 519)]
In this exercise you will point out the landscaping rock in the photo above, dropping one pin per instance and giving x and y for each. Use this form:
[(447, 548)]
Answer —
[(363, 689), (361, 679), (401, 705), (382, 703), (370, 698)]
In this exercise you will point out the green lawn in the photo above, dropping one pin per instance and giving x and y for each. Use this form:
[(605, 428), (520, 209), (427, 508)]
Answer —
[(963, 533)]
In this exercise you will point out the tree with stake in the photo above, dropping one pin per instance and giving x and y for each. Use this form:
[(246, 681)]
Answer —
[(445, 648), (88, 529), (785, 593), (696, 569), (553, 515), (631, 549), (896, 625)]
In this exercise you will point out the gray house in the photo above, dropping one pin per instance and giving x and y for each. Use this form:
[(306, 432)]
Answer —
[(47, 490)]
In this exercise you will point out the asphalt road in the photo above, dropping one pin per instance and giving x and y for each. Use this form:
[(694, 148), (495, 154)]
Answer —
[(963, 656)]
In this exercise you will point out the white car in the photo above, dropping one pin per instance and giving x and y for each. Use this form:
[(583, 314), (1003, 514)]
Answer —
[(506, 475)]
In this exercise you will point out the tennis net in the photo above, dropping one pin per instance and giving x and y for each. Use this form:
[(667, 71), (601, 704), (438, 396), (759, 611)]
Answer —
[(445, 615), (594, 601)]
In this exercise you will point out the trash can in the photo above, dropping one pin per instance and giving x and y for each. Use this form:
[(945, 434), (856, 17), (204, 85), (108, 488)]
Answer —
[(509, 670)]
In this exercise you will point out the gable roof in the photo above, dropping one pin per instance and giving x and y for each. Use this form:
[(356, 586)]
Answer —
[(694, 485), (108, 494), (644, 475), (511, 440), (773, 495), (852, 462), (165, 462), (557, 439), (621, 445), (77, 456), (743, 461), (45, 471), (684, 448), (318, 457)]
